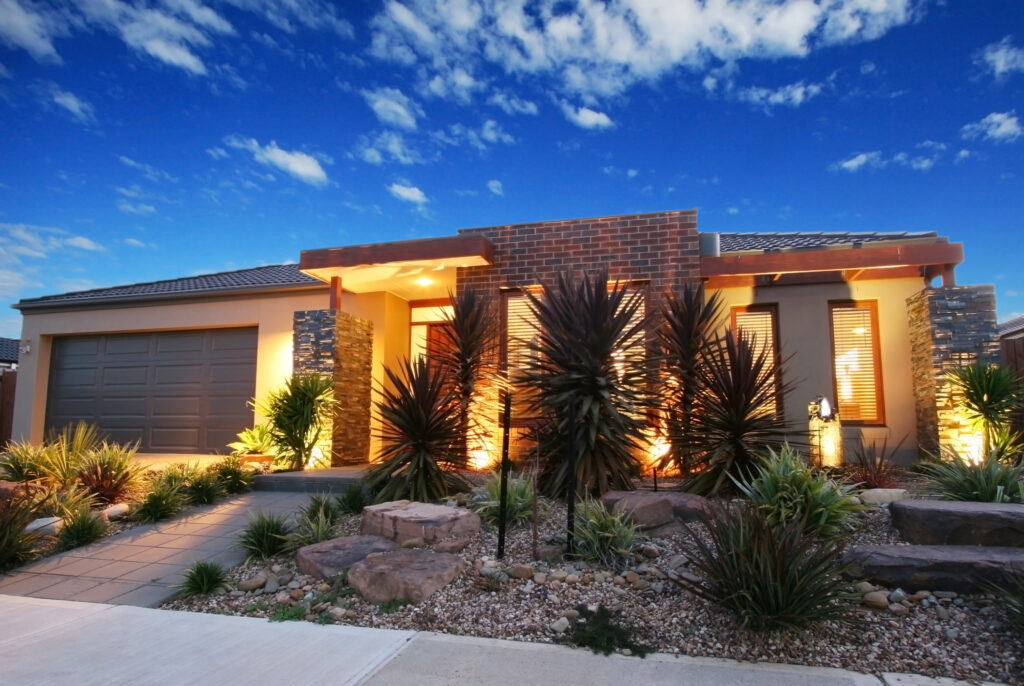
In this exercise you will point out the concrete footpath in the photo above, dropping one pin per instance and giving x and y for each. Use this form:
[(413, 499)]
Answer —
[(58, 642)]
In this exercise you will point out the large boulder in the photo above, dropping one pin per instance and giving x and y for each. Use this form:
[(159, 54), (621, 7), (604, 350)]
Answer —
[(882, 496), (410, 574), (645, 509), (327, 559), (964, 569), (688, 507), (402, 520), (947, 522)]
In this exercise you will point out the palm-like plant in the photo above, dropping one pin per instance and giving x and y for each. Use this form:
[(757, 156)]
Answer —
[(991, 393), (300, 415), (735, 421), (420, 434), (588, 381), (688, 324)]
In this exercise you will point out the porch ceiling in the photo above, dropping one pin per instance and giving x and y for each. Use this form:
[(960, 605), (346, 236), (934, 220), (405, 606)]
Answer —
[(413, 270)]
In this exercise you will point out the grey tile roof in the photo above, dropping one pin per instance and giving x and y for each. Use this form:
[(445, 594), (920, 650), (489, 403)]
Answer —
[(738, 242), (279, 276), (1011, 326), (8, 349)]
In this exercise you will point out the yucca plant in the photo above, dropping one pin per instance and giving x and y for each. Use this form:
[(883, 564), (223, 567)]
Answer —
[(990, 395), (587, 381), (874, 467), (203, 578), (770, 577), (234, 476), (988, 481), (735, 421), (109, 471), (81, 526), (420, 435), (689, 320), (486, 500), (265, 535), (300, 416), (786, 489), (602, 535), (16, 543)]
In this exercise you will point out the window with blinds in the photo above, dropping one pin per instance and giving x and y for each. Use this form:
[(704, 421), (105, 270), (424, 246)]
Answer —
[(762, 323), (856, 362)]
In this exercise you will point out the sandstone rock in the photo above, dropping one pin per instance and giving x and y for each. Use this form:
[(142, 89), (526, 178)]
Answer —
[(337, 613), (521, 571), (632, 577), (416, 542), (560, 625), (650, 551), (571, 615), (959, 568), (454, 545), (296, 594), (863, 587), (401, 520), (329, 558), (947, 522), (899, 609), (540, 578), (48, 526), (688, 507), (252, 583), (284, 598), (572, 578), (645, 509), (876, 599), (550, 552), (403, 574), (116, 512), (879, 496), (667, 530)]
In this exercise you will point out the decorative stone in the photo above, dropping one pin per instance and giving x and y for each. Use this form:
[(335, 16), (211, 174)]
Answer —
[(879, 496), (403, 574), (416, 542), (328, 559), (942, 612), (899, 609), (863, 587), (48, 526), (961, 568), (947, 522), (897, 596), (876, 599), (252, 583), (272, 585), (283, 597), (296, 594), (550, 552), (401, 520), (571, 615), (645, 509), (455, 545), (540, 578), (560, 625), (650, 551), (688, 507), (521, 571), (116, 512)]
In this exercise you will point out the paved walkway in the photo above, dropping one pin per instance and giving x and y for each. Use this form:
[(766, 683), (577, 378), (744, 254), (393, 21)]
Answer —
[(144, 565)]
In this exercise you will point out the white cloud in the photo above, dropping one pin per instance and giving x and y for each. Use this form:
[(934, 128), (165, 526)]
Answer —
[(512, 104), (586, 118), (867, 67), (82, 111), (915, 162), (492, 132), (962, 155), (302, 166), (21, 244), (4, 72), (792, 95), (149, 171), (135, 208), (30, 28), (631, 173), (494, 186), (489, 133), (136, 243), (860, 160), (217, 153), (387, 146), (83, 243), (393, 107), (733, 210), (408, 193), (1001, 58), (1000, 127)]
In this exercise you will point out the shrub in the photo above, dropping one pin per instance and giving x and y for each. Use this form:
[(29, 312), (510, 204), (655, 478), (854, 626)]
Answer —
[(67, 451), (602, 536), (202, 578), (486, 500), (16, 544), (785, 489), (990, 394), (255, 441), (109, 472), (203, 487), (52, 501), (22, 462), (234, 476), (300, 416), (352, 500), (874, 468), (1011, 596), (163, 500), (265, 535), (988, 481), (81, 526), (317, 520), (597, 631), (770, 577)]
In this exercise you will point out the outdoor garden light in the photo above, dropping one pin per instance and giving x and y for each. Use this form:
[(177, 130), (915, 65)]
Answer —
[(825, 432)]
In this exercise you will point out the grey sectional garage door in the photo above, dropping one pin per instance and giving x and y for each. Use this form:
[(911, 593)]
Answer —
[(174, 392)]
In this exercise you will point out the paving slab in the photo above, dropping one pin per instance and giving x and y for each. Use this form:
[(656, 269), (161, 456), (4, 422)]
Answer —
[(893, 679)]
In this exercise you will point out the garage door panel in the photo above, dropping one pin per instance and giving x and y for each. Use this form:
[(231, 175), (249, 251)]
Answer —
[(171, 391)]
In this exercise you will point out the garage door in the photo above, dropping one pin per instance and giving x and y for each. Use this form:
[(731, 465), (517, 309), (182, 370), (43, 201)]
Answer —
[(174, 392)]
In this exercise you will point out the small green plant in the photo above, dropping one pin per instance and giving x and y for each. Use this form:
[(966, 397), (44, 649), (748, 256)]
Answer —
[(163, 500), (203, 488), (874, 467), (597, 631), (291, 613), (317, 521), (265, 535), (81, 527), (67, 451), (988, 481), (390, 607), (771, 577), (203, 578), (486, 500), (990, 394), (1011, 595), (352, 500), (602, 536), (22, 462), (109, 472), (53, 501), (255, 441), (16, 543), (258, 606), (785, 489), (300, 416), (234, 475)]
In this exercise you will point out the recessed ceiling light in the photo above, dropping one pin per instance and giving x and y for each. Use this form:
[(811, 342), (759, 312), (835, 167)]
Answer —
[(423, 281)]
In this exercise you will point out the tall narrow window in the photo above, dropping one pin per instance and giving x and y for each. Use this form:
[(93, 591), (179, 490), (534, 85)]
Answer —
[(856, 362), (762, 322)]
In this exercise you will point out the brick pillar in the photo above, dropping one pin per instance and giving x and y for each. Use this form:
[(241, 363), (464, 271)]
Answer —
[(949, 327), (336, 343)]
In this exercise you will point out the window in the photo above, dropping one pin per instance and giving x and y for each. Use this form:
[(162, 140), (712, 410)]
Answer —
[(762, 322), (856, 362)]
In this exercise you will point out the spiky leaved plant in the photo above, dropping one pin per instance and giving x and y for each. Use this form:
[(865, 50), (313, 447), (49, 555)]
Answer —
[(588, 365), (736, 419), (66, 451), (689, 320), (990, 394), (110, 472), (420, 435), (300, 416)]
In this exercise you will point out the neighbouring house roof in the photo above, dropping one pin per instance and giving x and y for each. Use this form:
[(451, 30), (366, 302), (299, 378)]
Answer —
[(276, 277), (768, 242), (8, 350), (1011, 326)]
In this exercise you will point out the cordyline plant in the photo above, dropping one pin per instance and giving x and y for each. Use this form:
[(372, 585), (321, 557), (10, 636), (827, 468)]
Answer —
[(587, 363), (299, 416), (420, 435)]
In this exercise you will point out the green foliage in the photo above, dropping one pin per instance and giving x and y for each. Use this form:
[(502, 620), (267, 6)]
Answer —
[(22, 462), (352, 499), (255, 441), (163, 500), (234, 476), (291, 613), (486, 500), (204, 487), (587, 380), (81, 527), (598, 631), (317, 521), (109, 472), (300, 416), (770, 577), (67, 451), (203, 578), (1011, 596), (988, 481), (874, 467), (785, 489), (420, 437), (734, 421), (265, 535), (16, 544), (990, 394), (389, 607), (602, 536)]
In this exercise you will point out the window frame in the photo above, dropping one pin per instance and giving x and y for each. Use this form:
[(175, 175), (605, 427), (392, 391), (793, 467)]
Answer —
[(876, 348), (773, 310)]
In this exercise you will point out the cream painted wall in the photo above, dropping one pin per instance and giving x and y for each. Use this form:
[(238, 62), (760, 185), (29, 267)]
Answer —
[(804, 337)]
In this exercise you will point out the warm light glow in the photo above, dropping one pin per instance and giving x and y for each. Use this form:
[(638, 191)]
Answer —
[(859, 331), (972, 447), (480, 458), (847, 365), (424, 281), (658, 449), (824, 409)]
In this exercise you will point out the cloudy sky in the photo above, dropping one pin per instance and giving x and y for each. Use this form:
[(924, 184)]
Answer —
[(151, 139)]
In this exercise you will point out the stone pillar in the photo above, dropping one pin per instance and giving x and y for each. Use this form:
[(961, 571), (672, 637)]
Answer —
[(949, 327), (336, 343)]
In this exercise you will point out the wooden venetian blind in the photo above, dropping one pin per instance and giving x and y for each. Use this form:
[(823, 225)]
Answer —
[(856, 364), (761, 322)]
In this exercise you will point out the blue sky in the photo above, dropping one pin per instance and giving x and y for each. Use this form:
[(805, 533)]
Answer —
[(143, 140)]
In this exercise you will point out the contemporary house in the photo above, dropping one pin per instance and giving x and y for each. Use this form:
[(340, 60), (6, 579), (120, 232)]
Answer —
[(868, 320)]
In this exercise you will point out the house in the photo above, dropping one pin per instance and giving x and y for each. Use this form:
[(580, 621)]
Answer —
[(8, 353), (173, 364)]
